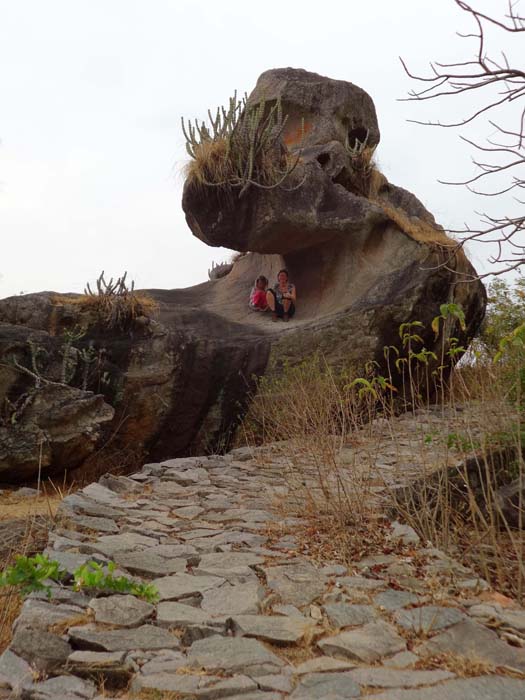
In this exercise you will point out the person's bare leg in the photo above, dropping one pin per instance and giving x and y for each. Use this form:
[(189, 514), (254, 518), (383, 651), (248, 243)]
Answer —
[(270, 299), (286, 306)]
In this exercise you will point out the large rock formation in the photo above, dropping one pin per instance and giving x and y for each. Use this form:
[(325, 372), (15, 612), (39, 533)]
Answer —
[(365, 257)]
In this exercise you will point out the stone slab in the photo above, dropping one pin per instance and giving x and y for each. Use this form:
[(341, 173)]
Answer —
[(183, 585), (337, 685), (368, 644), (121, 610), (234, 655), (146, 637), (272, 628), (481, 688)]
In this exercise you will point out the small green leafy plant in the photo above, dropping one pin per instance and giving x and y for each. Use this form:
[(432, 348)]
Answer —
[(31, 573), (92, 576), (34, 574)]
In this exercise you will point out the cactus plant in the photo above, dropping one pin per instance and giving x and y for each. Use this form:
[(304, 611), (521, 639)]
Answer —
[(241, 147)]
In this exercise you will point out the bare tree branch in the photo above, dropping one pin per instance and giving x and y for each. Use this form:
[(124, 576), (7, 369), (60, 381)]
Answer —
[(484, 73)]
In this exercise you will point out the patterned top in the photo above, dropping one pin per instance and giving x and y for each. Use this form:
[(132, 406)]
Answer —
[(279, 293)]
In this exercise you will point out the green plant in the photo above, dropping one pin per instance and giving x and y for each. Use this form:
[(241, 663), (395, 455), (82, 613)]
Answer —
[(31, 573), (93, 576), (505, 312), (461, 443), (34, 574), (241, 147)]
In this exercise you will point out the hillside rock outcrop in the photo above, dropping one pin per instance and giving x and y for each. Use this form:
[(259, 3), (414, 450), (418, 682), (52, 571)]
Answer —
[(365, 255)]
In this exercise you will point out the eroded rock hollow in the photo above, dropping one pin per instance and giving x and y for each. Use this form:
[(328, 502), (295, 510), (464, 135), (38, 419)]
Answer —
[(365, 256)]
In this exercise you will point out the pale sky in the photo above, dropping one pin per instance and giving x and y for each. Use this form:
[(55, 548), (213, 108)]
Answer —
[(91, 95)]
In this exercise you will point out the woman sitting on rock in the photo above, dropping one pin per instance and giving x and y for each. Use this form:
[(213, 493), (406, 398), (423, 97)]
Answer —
[(281, 299), (258, 294)]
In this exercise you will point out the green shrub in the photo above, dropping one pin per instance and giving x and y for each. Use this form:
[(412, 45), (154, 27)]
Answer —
[(34, 574)]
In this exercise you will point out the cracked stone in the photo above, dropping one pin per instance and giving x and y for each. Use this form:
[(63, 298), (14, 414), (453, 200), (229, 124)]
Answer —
[(41, 614), (237, 599), (176, 615), (194, 686), (470, 638), (428, 619), (368, 644), (44, 650), (189, 512), (393, 678), (276, 681), (15, 670), (121, 610), (404, 533), (367, 584), (401, 660), (481, 688), (111, 665), (236, 655), (393, 600), (185, 585), (125, 542), (88, 522), (323, 664), (272, 628), (223, 564), (63, 687), (148, 563), (338, 685), (146, 637), (297, 584), (347, 615)]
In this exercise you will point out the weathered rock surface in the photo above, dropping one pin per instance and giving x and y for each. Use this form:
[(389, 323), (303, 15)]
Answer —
[(209, 638), (177, 384)]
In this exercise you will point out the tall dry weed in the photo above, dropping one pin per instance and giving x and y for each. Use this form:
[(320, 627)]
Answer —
[(456, 439)]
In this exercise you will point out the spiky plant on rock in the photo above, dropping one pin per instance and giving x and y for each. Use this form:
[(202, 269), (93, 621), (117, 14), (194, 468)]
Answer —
[(241, 147)]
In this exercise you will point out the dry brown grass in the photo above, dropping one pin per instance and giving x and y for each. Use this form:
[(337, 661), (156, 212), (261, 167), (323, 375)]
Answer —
[(10, 606), (157, 695), (211, 163), (376, 182), (416, 228), (26, 536), (468, 666), (24, 526), (116, 459), (73, 621), (111, 311), (13, 506)]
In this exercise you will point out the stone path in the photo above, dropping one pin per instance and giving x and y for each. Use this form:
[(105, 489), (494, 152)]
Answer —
[(242, 614)]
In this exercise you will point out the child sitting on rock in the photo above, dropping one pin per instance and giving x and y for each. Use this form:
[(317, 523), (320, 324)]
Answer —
[(258, 294)]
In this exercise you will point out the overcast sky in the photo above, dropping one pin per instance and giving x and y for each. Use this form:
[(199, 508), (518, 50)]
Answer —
[(91, 95)]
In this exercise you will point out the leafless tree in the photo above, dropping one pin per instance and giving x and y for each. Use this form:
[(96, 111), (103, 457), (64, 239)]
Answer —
[(503, 156)]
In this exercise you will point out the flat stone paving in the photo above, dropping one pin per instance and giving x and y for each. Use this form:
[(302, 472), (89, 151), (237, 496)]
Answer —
[(242, 614)]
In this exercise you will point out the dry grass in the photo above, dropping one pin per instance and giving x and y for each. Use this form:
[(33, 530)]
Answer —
[(158, 695), (13, 506), (24, 527), (23, 536), (416, 228), (310, 415), (468, 666), (377, 181), (220, 164), (212, 164), (111, 311), (116, 459), (62, 627)]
